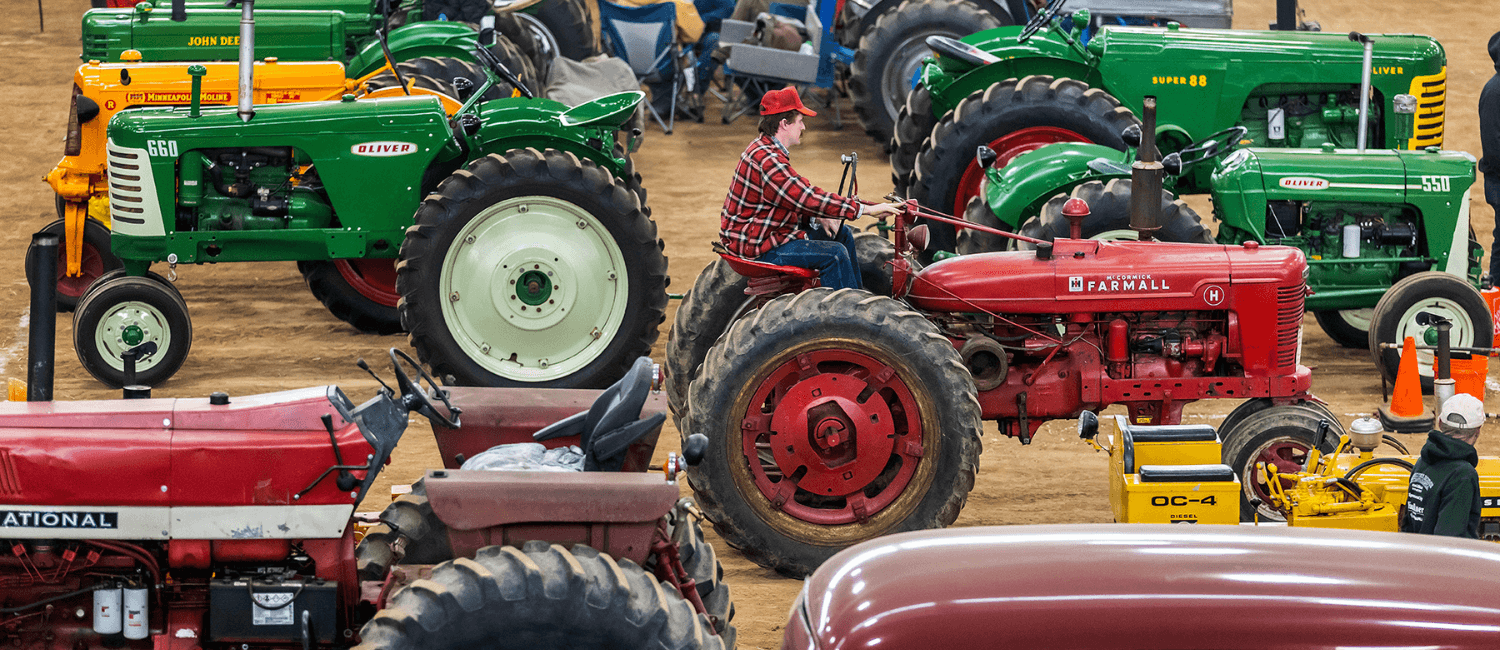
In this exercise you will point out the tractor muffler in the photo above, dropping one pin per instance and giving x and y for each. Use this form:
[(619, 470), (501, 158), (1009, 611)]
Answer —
[(40, 352), (247, 57), (1146, 177)]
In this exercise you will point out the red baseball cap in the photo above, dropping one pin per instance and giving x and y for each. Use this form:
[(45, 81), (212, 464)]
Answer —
[(781, 101)]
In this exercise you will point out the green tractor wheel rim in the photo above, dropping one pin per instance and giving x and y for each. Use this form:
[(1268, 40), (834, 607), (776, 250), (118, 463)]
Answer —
[(1124, 234), (1360, 318), (1462, 333), (130, 324), (534, 288)]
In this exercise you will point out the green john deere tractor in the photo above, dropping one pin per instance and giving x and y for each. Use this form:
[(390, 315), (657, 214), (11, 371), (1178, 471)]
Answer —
[(1014, 89), (532, 261), (1386, 232)]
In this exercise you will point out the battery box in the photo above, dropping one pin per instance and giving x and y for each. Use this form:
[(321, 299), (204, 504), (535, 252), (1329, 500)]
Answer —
[(242, 610)]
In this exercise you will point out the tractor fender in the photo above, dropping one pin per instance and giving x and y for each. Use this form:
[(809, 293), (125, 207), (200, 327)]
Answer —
[(1008, 11), (1018, 191), (587, 130), (945, 97), (441, 39)]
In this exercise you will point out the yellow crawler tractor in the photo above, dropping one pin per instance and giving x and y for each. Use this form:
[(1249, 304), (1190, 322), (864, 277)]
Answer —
[(100, 90), (1173, 474)]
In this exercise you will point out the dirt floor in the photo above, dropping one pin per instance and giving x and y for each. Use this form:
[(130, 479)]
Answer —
[(258, 329)]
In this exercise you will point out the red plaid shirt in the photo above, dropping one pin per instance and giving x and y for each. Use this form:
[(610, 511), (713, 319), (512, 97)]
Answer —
[(767, 200)]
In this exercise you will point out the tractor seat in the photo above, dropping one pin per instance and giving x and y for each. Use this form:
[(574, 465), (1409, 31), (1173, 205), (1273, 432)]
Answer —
[(1187, 474), (753, 269), (1172, 433)]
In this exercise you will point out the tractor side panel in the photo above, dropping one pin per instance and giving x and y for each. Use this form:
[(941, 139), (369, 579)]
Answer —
[(1437, 185), (212, 35)]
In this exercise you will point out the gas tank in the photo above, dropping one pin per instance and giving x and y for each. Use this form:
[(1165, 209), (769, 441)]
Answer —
[(174, 468)]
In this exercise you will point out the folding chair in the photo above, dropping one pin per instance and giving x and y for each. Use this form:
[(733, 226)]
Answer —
[(646, 38), (762, 68)]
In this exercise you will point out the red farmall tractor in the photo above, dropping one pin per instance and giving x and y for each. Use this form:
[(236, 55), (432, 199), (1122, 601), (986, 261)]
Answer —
[(178, 524), (838, 416)]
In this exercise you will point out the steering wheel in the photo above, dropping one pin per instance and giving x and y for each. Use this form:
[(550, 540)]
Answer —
[(494, 63), (417, 399), (1040, 20), (1212, 146)]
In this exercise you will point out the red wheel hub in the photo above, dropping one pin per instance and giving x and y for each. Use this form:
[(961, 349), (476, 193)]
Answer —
[(1009, 146), (91, 266), (1287, 456), (832, 437), (372, 278)]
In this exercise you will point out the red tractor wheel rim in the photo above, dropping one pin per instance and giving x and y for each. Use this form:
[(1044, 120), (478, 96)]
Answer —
[(1288, 457), (372, 278), (1009, 146), (90, 266), (832, 437)]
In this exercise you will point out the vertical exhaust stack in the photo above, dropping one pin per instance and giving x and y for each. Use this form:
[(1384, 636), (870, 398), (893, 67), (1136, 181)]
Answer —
[(247, 58), (1364, 86), (1146, 176), (40, 353)]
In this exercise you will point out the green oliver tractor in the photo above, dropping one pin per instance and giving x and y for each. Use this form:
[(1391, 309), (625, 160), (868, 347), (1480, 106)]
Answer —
[(1015, 89), (533, 260), (1386, 232)]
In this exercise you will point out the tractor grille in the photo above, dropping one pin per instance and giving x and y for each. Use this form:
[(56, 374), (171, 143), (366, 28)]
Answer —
[(132, 193), (1431, 92), (1289, 302), (96, 47)]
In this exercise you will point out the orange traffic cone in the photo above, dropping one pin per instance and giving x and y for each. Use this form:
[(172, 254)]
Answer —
[(1406, 412)]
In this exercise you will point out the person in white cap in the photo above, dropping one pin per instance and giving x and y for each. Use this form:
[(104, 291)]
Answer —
[(1444, 495)]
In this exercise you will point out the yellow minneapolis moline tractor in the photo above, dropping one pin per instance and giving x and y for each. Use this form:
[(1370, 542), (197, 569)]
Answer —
[(1174, 474), (100, 90)]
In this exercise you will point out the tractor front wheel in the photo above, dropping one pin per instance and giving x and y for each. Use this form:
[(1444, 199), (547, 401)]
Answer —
[(1406, 309), (537, 596), (836, 416), (410, 520), (891, 53), (702, 565), (1273, 435), (532, 269), (123, 313), (360, 292), (1350, 328), (1109, 216), (95, 262), (1012, 117)]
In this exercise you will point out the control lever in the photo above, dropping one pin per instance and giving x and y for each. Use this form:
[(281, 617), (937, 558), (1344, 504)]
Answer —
[(346, 480), (366, 367)]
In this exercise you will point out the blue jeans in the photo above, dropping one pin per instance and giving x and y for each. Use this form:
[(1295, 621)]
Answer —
[(832, 257)]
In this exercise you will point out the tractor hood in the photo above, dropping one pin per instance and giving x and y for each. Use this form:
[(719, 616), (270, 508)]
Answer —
[(1143, 44), (211, 34)]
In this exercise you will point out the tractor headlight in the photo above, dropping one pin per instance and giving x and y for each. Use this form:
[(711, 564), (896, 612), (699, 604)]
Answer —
[(81, 109), (1405, 104)]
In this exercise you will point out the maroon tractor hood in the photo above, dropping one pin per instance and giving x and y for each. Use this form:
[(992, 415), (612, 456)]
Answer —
[(1160, 587)]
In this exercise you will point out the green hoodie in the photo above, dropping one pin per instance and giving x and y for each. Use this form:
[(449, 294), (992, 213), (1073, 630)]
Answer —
[(1444, 494)]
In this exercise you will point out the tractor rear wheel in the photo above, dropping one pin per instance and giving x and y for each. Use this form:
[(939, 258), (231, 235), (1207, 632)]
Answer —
[(1278, 435), (914, 123), (835, 416), (1430, 293), (122, 313), (95, 262), (1109, 216), (569, 24), (537, 596), (891, 53), (517, 28), (408, 519), (1012, 117), (718, 298), (974, 241), (360, 292), (1349, 328), (532, 269)]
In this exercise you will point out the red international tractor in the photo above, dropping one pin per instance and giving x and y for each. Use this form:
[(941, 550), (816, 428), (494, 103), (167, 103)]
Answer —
[(218, 523), (838, 416)]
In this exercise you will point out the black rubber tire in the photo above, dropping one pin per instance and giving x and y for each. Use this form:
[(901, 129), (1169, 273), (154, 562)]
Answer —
[(345, 302), (102, 300), (95, 244), (897, 36), (437, 73), (519, 64), (538, 596), (120, 273), (846, 319), (974, 241), (914, 123), (516, 31), (1109, 210), (1006, 107), (573, 27), (718, 297), (702, 564), (408, 518), (1343, 333), (518, 173), (1412, 291), (1297, 424)]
